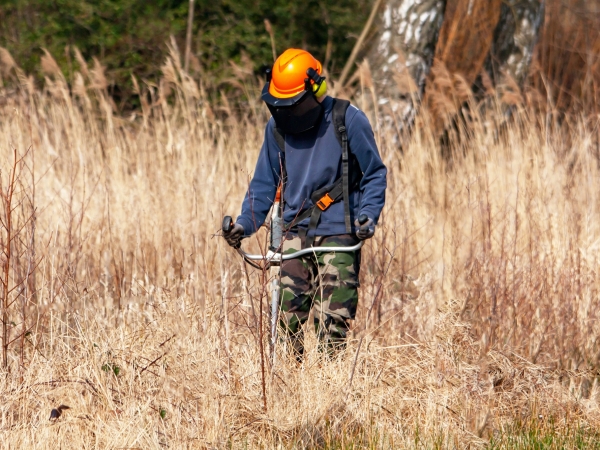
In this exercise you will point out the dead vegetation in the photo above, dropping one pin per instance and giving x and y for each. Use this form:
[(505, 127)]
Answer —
[(479, 291), (547, 50)]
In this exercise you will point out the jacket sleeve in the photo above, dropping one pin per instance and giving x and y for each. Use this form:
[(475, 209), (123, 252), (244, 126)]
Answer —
[(363, 146), (263, 187)]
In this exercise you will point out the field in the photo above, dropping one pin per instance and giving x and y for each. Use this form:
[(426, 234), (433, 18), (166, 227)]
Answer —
[(478, 323)]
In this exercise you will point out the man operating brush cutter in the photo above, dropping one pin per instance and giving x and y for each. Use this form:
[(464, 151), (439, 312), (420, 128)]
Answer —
[(320, 153)]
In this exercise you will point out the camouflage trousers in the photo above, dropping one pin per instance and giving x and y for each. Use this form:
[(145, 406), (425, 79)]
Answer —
[(324, 282)]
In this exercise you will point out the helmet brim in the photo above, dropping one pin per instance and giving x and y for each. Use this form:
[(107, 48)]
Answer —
[(278, 102)]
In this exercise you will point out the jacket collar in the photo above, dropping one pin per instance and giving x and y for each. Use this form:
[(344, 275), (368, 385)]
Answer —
[(327, 104)]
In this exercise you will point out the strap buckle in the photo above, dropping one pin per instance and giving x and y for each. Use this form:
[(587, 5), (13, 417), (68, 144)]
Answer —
[(324, 202)]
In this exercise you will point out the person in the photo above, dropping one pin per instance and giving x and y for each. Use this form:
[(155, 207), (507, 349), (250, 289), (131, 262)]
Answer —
[(322, 154)]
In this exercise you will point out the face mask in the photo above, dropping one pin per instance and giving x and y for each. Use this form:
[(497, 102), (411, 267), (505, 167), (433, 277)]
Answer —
[(296, 114), (296, 117)]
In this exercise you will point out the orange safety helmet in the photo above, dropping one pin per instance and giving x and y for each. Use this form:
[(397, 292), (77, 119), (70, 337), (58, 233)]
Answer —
[(293, 85), (289, 73)]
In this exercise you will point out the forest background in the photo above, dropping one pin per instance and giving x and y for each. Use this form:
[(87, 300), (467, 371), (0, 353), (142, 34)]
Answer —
[(130, 36), (551, 45)]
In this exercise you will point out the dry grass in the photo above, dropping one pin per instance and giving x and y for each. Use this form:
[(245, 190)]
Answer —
[(567, 60), (565, 69), (479, 292)]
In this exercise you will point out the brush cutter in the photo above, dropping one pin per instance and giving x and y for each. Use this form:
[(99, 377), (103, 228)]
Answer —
[(274, 258)]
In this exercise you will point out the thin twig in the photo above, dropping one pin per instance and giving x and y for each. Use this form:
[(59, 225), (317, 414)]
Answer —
[(188, 36), (358, 44)]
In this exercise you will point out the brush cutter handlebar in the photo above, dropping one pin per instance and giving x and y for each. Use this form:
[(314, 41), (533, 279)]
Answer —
[(227, 225), (274, 258)]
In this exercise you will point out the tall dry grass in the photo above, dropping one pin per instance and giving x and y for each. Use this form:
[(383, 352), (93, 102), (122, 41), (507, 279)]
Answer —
[(479, 293)]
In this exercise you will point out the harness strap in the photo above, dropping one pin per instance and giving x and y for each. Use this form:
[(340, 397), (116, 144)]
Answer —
[(279, 138), (324, 197), (345, 179)]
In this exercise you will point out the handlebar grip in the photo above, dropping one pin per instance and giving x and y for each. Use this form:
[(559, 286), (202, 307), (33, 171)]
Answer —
[(227, 225), (362, 219)]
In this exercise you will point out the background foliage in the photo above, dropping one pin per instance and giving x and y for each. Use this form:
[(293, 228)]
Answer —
[(130, 36)]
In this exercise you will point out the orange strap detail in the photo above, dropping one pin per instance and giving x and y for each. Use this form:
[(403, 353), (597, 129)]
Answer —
[(324, 202)]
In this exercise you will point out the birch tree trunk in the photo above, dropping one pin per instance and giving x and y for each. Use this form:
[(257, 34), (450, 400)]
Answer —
[(466, 36), (403, 52), (514, 39)]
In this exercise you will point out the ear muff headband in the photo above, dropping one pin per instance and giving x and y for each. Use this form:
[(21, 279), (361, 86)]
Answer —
[(319, 86)]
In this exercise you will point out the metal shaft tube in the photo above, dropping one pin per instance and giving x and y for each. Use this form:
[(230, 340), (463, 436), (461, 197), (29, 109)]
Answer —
[(276, 257), (274, 316)]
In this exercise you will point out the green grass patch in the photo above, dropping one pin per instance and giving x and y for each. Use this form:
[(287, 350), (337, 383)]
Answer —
[(541, 435)]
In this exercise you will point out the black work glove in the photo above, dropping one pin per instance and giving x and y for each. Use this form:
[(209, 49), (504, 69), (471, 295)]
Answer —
[(234, 237), (366, 230)]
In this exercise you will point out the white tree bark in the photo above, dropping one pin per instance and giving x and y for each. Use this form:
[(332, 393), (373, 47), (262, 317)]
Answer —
[(515, 38), (402, 55), (403, 52)]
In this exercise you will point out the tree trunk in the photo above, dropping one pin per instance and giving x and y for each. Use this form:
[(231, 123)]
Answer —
[(465, 35), (404, 49), (463, 45), (567, 57), (514, 39), (550, 45)]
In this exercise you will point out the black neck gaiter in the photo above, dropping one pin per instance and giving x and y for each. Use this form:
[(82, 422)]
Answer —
[(297, 118)]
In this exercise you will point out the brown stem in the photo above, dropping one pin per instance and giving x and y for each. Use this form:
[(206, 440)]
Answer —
[(264, 281), (358, 44), (188, 36), (8, 210), (269, 29)]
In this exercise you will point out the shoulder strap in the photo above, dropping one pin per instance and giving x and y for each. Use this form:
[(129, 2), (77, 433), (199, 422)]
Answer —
[(339, 122), (280, 138), (338, 115)]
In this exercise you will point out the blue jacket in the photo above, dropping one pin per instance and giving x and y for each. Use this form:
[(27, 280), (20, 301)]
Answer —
[(313, 161)]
